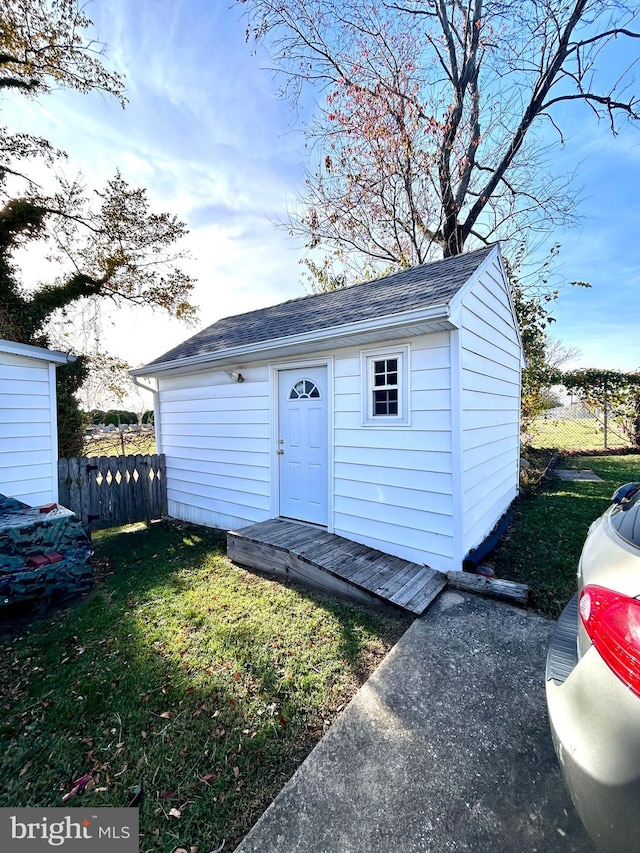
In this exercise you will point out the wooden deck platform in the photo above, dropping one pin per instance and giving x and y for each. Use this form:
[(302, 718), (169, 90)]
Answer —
[(335, 564)]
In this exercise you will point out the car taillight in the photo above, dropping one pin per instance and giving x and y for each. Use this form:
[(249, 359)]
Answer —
[(612, 621)]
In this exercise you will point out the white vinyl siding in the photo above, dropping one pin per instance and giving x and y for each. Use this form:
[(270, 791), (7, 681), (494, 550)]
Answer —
[(215, 434), (490, 366), (393, 486), (28, 441)]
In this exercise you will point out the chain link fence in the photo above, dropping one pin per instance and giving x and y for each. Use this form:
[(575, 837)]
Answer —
[(579, 427)]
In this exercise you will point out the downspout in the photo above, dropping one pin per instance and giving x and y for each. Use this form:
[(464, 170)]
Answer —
[(156, 409), (477, 556), (137, 382)]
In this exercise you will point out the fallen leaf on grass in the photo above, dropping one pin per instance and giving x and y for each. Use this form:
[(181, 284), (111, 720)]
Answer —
[(166, 715), (25, 768), (77, 786), (175, 813)]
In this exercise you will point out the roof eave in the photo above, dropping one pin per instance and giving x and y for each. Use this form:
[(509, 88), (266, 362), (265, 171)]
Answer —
[(30, 351), (334, 335)]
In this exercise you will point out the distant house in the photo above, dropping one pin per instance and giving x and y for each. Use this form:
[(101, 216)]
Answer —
[(28, 422), (387, 412)]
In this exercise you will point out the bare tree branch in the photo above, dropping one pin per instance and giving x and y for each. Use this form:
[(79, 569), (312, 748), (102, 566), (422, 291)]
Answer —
[(433, 110)]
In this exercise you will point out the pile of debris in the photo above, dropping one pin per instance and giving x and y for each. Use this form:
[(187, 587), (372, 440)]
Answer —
[(45, 554)]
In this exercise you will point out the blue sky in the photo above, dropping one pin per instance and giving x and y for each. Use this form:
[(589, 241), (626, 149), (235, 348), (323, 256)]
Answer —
[(205, 132)]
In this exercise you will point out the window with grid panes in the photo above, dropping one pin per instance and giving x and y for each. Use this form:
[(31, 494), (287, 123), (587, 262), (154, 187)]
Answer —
[(385, 387)]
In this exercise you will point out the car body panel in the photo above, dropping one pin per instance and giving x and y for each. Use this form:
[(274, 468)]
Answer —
[(594, 716), (608, 560), (596, 734)]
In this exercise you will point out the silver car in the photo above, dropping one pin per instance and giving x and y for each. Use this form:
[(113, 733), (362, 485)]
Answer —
[(593, 679)]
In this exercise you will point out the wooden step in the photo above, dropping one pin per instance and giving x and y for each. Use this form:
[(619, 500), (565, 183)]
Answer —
[(335, 564)]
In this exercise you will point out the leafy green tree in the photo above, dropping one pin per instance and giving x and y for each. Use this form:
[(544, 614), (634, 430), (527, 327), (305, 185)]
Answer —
[(108, 243), (533, 318), (112, 245), (44, 45), (533, 301), (71, 420)]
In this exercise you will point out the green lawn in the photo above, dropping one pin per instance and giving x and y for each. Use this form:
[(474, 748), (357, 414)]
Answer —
[(203, 683), (544, 541), (576, 434)]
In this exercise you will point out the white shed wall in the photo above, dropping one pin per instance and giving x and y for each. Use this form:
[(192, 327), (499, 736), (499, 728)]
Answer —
[(28, 437), (393, 485), (490, 369), (215, 434)]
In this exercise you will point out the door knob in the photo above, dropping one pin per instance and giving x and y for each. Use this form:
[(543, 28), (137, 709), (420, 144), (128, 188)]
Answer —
[(281, 452)]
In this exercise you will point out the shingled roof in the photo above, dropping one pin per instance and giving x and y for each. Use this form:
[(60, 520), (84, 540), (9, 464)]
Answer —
[(428, 285)]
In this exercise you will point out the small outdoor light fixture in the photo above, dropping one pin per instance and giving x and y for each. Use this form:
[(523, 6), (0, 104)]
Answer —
[(235, 375)]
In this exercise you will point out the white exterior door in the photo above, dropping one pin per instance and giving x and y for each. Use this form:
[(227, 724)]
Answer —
[(302, 444)]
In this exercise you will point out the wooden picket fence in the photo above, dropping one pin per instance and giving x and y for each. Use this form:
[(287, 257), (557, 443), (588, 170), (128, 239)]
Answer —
[(108, 491)]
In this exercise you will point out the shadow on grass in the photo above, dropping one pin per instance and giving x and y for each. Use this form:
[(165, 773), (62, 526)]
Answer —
[(136, 550), (202, 682)]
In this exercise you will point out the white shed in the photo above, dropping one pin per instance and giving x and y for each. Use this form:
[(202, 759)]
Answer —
[(387, 412), (28, 422)]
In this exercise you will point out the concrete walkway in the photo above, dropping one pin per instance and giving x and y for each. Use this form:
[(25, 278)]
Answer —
[(572, 475), (446, 747)]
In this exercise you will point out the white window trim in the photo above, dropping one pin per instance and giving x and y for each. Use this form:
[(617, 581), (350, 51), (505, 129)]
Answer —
[(367, 359)]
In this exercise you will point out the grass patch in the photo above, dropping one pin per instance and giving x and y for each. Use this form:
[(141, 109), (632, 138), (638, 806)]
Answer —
[(576, 434), (543, 544), (202, 682)]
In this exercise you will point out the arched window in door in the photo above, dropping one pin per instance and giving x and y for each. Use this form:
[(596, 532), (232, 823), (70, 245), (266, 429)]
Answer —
[(305, 389)]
